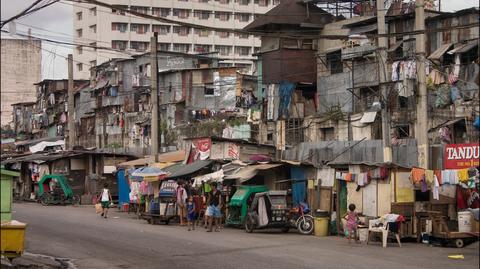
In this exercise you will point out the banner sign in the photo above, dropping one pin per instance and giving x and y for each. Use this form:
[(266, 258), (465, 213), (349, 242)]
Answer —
[(458, 156)]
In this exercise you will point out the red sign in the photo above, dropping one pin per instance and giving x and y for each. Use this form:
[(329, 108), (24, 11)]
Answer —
[(458, 156)]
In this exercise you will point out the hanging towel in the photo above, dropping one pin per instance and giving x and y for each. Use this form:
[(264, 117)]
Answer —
[(463, 175), (360, 181), (446, 176), (417, 174), (348, 177), (438, 173), (453, 177), (262, 212), (429, 176), (436, 185)]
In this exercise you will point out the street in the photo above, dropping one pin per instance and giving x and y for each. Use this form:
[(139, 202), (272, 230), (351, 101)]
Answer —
[(122, 241)]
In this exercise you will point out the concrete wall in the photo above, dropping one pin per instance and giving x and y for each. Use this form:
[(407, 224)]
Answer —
[(21, 67)]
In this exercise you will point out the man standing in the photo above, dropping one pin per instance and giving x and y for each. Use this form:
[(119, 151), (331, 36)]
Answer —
[(181, 199), (214, 205)]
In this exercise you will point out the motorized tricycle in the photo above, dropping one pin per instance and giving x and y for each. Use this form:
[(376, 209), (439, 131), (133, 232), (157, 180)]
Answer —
[(239, 203), (269, 210), (54, 189)]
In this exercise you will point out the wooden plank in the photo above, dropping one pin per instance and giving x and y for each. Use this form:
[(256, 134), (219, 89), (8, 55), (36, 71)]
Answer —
[(325, 199)]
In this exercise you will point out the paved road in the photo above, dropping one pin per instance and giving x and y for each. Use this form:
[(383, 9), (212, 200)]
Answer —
[(124, 242)]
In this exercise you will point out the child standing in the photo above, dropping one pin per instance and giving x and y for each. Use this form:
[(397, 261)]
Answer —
[(191, 213), (352, 221)]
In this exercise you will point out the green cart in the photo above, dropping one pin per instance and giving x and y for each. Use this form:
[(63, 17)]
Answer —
[(241, 200), (54, 189)]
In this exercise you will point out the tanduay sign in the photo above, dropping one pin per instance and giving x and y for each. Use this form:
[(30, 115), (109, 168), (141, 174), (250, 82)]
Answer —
[(458, 156)]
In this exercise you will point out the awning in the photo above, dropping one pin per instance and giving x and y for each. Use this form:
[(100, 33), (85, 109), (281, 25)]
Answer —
[(438, 53), (179, 170), (363, 29), (464, 47), (368, 117), (215, 177), (43, 145), (395, 46), (250, 171)]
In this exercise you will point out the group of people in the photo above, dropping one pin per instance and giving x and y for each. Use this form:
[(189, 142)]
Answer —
[(187, 207)]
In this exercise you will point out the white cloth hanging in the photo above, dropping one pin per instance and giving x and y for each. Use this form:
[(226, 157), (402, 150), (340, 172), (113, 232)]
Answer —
[(262, 212)]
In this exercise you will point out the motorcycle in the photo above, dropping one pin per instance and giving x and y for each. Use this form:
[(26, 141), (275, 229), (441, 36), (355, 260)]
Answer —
[(300, 219)]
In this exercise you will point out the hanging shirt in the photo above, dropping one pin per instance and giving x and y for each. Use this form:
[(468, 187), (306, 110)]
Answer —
[(463, 175), (417, 174), (429, 176)]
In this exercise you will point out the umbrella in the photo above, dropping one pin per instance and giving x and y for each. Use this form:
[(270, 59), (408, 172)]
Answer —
[(149, 173), (132, 177)]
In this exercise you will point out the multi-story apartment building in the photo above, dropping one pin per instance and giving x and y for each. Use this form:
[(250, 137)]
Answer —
[(96, 26)]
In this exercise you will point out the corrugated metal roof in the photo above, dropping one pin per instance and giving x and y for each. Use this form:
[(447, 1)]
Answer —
[(438, 53), (464, 47), (179, 170), (250, 171)]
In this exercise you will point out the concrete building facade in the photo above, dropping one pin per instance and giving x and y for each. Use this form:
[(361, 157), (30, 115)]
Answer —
[(21, 62), (128, 35)]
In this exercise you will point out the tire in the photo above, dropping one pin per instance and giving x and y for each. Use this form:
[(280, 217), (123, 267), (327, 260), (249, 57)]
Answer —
[(305, 225), (249, 224), (459, 243), (46, 199), (285, 229), (76, 200)]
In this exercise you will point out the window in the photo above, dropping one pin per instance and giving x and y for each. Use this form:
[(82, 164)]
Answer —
[(402, 131), (139, 28), (122, 27), (79, 66), (222, 34), (119, 9), (334, 60), (242, 36), (79, 32), (181, 13), (293, 131), (79, 49), (163, 46), (161, 12), (203, 1), (256, 49), (202, 33), (223, 16), (143, 10), (93, 28), (119, 44), (94, 45), (327, 134), (179, 47), (223, 50), (243, 2), (93, 63), (79, 16), (262, 3), (139, 46), (201, 48), (242, 50), (161, 29), (93, 11), (201, 14), (181, 30), (210, 91), (243, 17)]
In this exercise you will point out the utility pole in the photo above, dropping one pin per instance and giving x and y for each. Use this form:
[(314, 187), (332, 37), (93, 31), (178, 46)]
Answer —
[(382, 76), (154, 95), (422, 113), (71, 100)]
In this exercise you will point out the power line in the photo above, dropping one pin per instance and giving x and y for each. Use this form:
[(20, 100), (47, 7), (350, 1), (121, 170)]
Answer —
[(21, 14)]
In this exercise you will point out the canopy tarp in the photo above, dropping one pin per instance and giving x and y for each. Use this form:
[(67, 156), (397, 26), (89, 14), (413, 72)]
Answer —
[(164, 159), (212, 177), (250, 171), (179, 170), (149, 173)]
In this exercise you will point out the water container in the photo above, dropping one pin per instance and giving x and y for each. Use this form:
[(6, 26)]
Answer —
[(464, 221)]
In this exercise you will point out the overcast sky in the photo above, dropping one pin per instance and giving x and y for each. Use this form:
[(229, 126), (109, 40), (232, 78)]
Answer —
[(56, 20)]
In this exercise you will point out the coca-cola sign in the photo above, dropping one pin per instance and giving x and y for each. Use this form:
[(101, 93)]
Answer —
[(458, 156)]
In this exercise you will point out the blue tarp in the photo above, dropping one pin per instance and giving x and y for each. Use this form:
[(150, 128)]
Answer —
[(285, 92), (298, 185), (123, 188)]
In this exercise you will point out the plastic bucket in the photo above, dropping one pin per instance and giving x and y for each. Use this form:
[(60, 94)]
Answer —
[(464, 221), (321, 226)]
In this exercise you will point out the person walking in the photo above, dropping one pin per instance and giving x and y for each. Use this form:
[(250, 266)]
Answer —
[(181, 200), (352, 221), (214, 205), (105, 199)]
